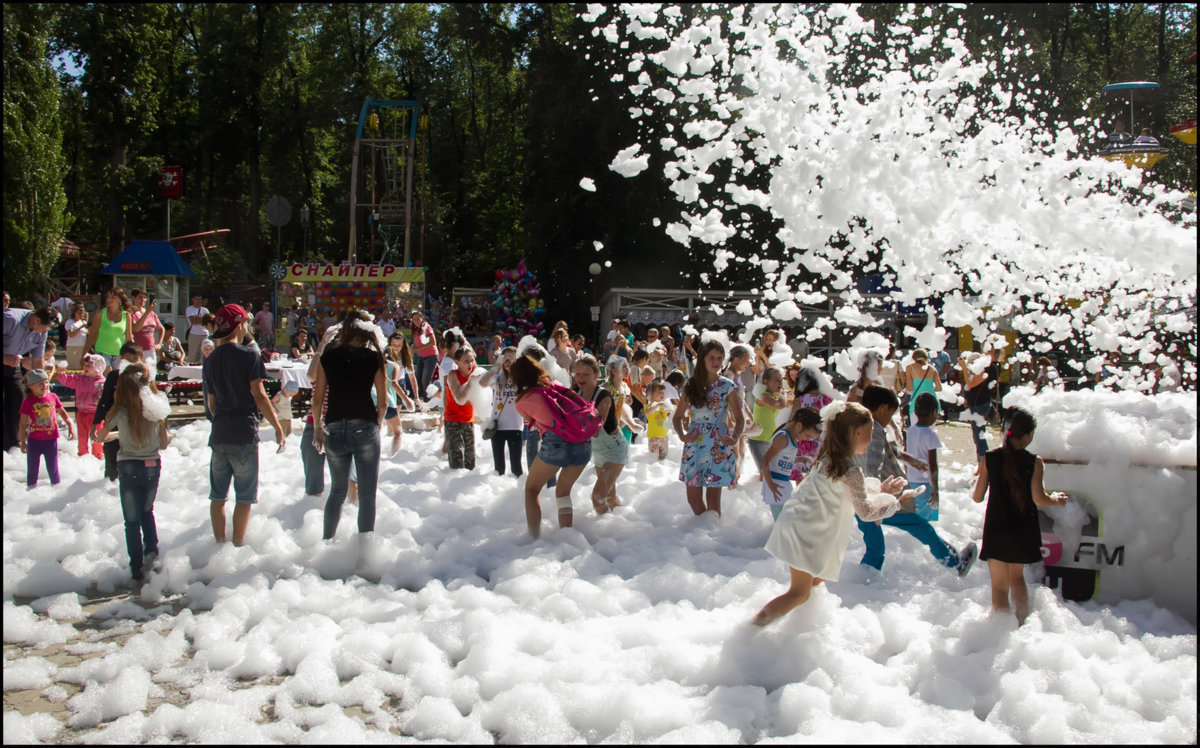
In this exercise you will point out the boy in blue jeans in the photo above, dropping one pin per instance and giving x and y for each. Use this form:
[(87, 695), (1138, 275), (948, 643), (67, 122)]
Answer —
[(880, 461)]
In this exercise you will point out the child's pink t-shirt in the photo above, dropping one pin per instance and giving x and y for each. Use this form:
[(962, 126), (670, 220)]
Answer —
[(87, 390), (42, 412)]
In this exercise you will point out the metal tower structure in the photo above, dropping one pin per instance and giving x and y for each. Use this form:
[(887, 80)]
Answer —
[(385, 154)]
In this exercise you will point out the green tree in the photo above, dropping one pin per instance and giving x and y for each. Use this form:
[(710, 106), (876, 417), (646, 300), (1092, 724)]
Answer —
[(35, 215), (121, 49)]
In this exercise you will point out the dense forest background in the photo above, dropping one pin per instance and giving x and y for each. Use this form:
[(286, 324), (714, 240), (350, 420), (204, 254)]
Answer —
[(261, 99)]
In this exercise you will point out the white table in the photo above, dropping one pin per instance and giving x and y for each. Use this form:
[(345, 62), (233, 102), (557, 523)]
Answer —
[(296, 374), (186, 372)]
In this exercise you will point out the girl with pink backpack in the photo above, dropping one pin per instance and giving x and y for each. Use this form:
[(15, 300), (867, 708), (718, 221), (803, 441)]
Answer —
[(566, 423)]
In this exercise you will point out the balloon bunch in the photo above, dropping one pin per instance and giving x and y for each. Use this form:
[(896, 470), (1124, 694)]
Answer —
[(516, 302)]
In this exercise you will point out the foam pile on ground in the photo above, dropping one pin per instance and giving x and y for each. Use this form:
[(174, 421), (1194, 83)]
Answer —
[(628, 628)]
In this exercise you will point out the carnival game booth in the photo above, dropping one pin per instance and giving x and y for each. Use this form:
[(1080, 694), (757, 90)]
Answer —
[(330, 290), (158, 268), (1128, 463)]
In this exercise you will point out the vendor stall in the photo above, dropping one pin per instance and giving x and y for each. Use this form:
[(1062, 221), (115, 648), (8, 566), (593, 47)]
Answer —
[(330, 290), (156, 267)]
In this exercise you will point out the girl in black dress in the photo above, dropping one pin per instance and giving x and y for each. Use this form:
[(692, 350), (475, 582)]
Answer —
[(1012, 479)]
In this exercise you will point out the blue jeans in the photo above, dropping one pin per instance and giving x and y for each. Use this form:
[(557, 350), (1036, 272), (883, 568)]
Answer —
[(236, 462), (138, 487), (357, 440), (533, 441), (979, 430), (424, 368), (914, 525), (314, 463)]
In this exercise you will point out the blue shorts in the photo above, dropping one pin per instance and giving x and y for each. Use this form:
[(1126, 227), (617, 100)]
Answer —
[(390, 413), (560, 453), (608, 448)]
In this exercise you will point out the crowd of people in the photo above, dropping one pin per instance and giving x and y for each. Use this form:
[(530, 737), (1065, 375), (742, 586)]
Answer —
[(821, 457)]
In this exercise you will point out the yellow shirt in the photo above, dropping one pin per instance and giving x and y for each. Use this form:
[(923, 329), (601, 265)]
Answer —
[(656, 423)]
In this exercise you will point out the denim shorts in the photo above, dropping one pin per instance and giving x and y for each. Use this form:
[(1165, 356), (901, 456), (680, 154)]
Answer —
[(608, 448), (559, 453), (236, 463), (390, 413)]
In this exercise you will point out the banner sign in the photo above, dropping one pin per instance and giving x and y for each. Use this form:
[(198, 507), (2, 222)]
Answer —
[(299, 272), (170, 181)]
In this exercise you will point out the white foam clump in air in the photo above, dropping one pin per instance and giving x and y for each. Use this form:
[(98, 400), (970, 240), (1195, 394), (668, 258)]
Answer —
[(587, 184), (547, 362), (992, 213), (628, 163)]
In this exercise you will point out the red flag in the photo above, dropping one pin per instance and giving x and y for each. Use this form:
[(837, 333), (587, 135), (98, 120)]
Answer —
[(170, 181)]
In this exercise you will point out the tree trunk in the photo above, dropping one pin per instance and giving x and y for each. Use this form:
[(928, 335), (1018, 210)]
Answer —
[(116, 212), (1162, 41)]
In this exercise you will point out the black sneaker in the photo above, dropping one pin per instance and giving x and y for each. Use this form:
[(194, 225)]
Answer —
[(966, 558)]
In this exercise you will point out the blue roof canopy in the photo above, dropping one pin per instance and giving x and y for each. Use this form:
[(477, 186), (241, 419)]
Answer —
[(1129, 86), (148, 257)]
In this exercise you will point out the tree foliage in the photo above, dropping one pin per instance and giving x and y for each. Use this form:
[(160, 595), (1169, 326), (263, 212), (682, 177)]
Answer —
[(35, 215), (254, 100)]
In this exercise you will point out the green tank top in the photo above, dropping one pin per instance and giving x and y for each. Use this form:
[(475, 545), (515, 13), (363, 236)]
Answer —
[(764, 415), (922, 384), (112, 334)]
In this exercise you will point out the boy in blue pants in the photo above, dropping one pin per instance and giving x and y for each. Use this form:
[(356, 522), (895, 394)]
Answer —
[(880, 461)]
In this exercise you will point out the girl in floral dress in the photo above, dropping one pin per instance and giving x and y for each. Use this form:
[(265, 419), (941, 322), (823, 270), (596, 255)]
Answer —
[(709, 447)]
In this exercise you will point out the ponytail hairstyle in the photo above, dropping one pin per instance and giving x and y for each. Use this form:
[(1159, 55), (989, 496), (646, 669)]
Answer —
[(772, 371), (696, 389), (841, 419), (128, 397), (1018, 423), (526, 374), (808, 417)]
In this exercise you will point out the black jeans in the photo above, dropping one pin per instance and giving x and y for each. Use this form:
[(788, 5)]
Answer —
[(513, 439), (13, 395)]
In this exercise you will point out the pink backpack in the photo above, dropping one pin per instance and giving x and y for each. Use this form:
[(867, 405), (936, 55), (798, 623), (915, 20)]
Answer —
[(575, 419)]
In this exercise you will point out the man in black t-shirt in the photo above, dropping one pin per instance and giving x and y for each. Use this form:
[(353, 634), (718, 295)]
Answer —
[(233, 378)]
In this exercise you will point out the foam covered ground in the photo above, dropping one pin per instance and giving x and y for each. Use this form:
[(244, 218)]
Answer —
[(629, 627)]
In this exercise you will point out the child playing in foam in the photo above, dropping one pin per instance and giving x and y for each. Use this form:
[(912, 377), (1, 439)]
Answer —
[(814, 525)]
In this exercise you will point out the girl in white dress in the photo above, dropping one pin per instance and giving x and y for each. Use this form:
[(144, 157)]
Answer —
[(814, 525)]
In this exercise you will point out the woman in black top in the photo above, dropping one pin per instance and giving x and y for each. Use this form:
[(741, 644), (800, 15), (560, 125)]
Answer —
[(349, 426)]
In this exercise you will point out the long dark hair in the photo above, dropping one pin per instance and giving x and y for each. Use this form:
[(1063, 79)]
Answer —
[(1017, 423), (526, 374), (696, 389), (404, 357)]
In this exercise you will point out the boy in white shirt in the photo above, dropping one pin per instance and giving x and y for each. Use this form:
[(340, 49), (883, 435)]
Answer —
[(923, 442)]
